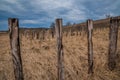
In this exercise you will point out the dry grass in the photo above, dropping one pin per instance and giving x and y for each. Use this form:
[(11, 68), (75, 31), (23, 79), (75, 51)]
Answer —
[(40, 58)]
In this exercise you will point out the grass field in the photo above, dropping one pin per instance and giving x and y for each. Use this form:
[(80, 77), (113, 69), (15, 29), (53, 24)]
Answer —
[(40, 58)]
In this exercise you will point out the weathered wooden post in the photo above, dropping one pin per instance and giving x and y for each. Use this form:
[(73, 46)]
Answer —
[(113, 35), (37, 35), (58, 27), (90, 46), (53, 31), (15, 48), (43, 35)]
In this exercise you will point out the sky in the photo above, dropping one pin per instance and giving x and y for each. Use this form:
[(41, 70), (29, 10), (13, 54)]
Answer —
[(41, 13)]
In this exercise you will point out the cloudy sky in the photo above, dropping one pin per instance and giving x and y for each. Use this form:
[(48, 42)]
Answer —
[(40, 13)]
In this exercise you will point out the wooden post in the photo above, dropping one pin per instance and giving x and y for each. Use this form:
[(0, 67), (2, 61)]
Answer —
[(53, 31), (90, 46), (37, 35), (43, 35), (113, 35), (58, 27), (15, 48)]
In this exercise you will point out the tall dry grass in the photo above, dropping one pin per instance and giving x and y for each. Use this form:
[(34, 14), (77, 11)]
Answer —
[(40, 58)]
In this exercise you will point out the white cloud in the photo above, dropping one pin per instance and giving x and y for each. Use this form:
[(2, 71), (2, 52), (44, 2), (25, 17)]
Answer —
[(12, 6), (50, 4), (11, 1), (30, 21), (7, 8), (76, 15), (54, 7), (46, 11)]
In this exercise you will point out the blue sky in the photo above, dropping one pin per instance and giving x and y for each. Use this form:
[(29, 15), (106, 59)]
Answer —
[(41, 13)]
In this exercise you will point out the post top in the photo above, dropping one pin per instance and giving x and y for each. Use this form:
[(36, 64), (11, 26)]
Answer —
[(12, 18), (89, 20), (114, 19), (58, 19)]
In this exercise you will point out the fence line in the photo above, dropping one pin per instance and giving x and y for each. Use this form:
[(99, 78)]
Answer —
[(82, 28), (15, 45)]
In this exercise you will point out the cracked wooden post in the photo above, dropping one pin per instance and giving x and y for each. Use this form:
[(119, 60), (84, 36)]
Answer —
[(90, 46), (58, 27), (113, 35), (15, 48)]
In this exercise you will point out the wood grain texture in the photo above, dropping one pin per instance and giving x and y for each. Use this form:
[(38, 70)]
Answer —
[(90, 46), (113, 35), (15, 48), (60, 53)]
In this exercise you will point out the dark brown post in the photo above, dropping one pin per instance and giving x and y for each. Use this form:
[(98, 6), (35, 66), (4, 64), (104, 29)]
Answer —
[(58, 28), (43, 35), (113, 35), (15, 48), (90, 46)]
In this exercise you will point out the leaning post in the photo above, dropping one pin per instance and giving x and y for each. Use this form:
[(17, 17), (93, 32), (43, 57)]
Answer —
[(58, 28), (113, 35), (90, 46), (15, 48)]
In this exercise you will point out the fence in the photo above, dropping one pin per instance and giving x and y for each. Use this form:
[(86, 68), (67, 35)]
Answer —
[(15, 47)]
